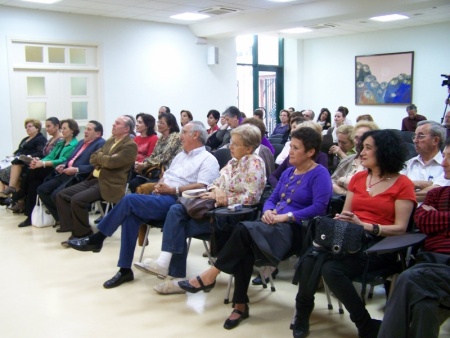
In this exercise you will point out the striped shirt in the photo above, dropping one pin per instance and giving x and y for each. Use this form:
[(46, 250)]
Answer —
[(436, 224)]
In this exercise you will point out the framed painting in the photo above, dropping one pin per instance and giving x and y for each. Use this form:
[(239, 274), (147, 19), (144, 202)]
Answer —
[(383, 79)]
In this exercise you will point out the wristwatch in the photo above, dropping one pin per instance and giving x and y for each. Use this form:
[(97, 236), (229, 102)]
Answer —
[(177, 191), (290, 217), (376, 229)]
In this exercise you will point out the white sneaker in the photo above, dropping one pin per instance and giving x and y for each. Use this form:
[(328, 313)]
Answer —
[(169, 287), (149, 265)]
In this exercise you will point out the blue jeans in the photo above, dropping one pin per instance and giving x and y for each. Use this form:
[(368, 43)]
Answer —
[(131, 212), (177, 228)]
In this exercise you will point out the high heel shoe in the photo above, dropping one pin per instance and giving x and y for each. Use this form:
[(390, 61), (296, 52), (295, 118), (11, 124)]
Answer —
[(17, 207), (258, 281), (232, 323), (185, 285), (7, 192)]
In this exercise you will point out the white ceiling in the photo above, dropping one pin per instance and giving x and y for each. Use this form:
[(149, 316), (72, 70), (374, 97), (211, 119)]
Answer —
[(328, 17)]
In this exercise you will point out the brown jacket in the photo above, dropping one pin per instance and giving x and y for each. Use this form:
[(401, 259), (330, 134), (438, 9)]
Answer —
[(114, 167)]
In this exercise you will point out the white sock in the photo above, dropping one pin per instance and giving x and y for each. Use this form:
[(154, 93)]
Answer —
[(164, 259)]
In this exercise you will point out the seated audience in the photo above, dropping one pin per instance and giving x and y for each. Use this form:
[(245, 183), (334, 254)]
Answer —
[(112, 163), (365, 117), (410, 122), (320, 158), (381, 201), (303, 191), (185, 117), (339, 120), (294, 121), (324, 119), (192, 168), (263, 151), (167, 147), (75, 169), (420, 303), (283, 127), (345, 112), (213, 118), (33, 146), (259, 113), (233, 119), (350, 165), (308, 115), (345, 146), (425, 170), (147, 138), (41, 168), (242, 181)]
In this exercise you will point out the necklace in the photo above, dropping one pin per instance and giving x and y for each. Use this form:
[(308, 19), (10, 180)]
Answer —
[(370, 185), (287, 194)]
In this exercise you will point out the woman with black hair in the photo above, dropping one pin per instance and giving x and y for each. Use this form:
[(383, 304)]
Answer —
[(324, 118), (185, 117), (213, 118), (147, 138), (167, 147), (381, 201)]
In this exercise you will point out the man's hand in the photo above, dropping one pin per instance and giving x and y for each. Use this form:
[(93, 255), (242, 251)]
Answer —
[(60, 169), (163, 189), (70, 171)]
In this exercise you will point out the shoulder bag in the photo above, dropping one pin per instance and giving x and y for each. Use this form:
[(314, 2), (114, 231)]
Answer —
[(39, 217)]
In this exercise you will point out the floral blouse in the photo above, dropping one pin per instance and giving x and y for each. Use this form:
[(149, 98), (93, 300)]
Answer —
[(165, 150), (242, 180), (51, 144)]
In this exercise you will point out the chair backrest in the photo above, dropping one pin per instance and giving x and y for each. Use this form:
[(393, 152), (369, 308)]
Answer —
[(407, 136), (223, 156), (278, 148), (411, 151), (280, 136)]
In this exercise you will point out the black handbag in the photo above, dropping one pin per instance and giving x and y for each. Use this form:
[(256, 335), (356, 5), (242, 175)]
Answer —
[(339, 237)]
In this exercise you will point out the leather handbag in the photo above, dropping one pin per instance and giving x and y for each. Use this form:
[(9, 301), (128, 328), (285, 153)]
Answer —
[(39, 217), (339, 237), (197, 208), (153, 172)]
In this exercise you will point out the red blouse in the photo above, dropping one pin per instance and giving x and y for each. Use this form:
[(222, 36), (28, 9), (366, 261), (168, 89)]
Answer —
[(145, 146)]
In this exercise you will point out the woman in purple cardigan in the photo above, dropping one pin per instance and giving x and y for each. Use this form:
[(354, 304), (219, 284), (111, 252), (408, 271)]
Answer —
[(303, 192)]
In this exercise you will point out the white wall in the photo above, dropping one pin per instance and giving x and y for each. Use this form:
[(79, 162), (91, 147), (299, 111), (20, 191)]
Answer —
[(326, 75), (143, 65)]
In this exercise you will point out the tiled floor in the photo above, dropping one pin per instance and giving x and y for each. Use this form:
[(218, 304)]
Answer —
[(49, 291)]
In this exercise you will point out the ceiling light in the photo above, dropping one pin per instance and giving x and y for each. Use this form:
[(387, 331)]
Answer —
[(280, 0), (189, 16), (390, 17), (297, 30), (47, 2)]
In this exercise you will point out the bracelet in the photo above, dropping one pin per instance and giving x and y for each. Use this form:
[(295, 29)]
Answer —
[(43, 162), (177, 191)]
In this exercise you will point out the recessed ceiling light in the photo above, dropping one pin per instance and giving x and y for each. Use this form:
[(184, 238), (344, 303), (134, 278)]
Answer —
[(296, 30), (47, 2), (189, 16), (390, 17)]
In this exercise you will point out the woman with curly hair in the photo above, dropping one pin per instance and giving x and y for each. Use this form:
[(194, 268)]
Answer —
[(380, 200)]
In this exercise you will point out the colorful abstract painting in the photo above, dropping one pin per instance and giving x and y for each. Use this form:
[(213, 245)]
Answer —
[(384, 78)]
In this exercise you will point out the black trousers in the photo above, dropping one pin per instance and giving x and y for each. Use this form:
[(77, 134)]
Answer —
[(419, 304), (237, 258), (47, 192)]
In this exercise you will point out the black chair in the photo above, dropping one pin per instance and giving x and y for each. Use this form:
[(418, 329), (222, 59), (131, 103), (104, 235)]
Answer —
[(407, 136), (278, 148), (275, 140), (277, 136), (223, 156), (411, 151)]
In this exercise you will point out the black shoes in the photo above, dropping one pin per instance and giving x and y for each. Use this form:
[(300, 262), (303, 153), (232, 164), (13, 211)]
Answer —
[(83, 244), (98, 220), (66, 242), (258, 281), (232, 323), (301, 330), (186, 286), (63, 230), (6, 201), (371, 329), (25, 223), (118, 279)]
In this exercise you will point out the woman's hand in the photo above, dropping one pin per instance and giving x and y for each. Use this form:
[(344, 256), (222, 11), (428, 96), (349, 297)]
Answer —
[(138, 166), (349, 216), (270, 217), (336, 150), (221, 197)]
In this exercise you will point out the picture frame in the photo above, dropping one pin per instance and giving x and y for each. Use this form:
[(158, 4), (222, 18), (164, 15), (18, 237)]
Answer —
[(384, 79)]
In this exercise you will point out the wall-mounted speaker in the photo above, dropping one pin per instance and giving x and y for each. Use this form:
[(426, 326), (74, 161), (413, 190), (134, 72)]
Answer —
[(213, 55)]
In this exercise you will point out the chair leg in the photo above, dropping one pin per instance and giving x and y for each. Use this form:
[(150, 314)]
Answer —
[(208, 252), (261, 275), (330, 305), (227, 295), (145, 243)]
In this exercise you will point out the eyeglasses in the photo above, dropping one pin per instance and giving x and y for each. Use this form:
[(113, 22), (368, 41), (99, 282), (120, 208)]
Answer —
[(232, 144), (419, 136)]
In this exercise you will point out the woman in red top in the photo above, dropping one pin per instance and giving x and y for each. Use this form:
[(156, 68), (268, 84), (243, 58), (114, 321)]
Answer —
[(145, 126), (380, 200), (213, 118)]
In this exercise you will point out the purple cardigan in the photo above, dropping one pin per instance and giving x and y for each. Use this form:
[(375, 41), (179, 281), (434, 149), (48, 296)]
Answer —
[(269, 145), (309, 199), (321, 158)]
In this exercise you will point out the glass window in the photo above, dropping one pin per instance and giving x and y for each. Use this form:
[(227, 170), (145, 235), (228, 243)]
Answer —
[(268, 50), (245, 89), (34, 54), (35, 86), (78, 56), (56, 55), (79, 110), (244, 46), (78, 85), (37, 110)]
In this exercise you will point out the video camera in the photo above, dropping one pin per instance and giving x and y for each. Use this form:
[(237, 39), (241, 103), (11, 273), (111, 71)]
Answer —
[(447, 81)]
